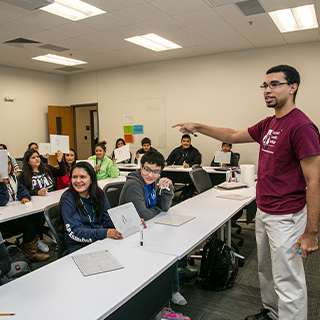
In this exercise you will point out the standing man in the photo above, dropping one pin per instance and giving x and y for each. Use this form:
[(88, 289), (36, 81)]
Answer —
[(288, 193)]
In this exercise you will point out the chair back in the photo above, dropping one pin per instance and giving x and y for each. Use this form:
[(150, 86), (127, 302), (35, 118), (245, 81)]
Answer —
[(238, 155), (200, 179), (112, 191), (56, 225)]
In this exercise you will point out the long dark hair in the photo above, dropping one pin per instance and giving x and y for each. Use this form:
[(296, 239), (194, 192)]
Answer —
[(95, 192), (11, 173), (73, 163), (120, 139), (27, 170)]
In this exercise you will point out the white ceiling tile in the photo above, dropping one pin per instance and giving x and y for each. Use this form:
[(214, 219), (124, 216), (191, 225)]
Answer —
[(127, 31), (173, 7), (113, 5), (272, 5), (73, 29), (139, 13), (204, 49), (9, 12), (159, 25), (302, 36), (12, 30), (47, 36), (71, 43), (229, 11)]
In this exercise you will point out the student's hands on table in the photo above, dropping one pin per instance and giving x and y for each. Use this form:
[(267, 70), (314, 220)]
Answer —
[(114, 234)]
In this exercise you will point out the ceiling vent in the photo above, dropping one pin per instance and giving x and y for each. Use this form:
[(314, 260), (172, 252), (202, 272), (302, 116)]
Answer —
[(218, 3), (250, 7), (30, 5), (51, 47), (21, 40)]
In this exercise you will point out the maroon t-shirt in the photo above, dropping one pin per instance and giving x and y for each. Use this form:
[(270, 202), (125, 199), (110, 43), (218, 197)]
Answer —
[(281, 187)]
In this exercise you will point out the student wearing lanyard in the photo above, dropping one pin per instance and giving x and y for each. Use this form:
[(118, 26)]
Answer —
[(104, 167), (151, 195), (12, 190), (84, 209)]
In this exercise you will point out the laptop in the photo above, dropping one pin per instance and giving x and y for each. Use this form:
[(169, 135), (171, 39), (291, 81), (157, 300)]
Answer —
[(125, 219)]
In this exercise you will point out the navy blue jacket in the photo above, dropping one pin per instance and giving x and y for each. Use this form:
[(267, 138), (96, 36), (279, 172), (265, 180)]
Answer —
[(4, 195)]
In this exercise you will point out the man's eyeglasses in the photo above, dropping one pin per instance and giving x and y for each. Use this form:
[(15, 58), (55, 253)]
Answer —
[(156, 173), (273, 85)]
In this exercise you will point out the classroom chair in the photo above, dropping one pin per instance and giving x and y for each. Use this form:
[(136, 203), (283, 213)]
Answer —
[(55, 223), (112, 191)]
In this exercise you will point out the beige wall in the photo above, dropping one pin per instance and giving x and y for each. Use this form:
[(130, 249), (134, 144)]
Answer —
[(25, 119), (221, 90)]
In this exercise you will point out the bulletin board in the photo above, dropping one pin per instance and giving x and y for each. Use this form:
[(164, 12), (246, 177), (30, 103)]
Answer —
[(149, 113)]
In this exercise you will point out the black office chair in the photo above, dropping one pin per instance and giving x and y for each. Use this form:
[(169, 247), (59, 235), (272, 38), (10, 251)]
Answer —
[(112, 191), (200, 179), (56, 225)]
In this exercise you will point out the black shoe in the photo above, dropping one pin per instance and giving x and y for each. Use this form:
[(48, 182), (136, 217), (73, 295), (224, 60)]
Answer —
[(263, 315)]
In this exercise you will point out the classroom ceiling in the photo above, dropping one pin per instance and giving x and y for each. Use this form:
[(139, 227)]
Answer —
[(201, 27)]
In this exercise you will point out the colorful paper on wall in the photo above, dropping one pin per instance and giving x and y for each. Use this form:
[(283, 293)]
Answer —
[(128, 129), (128, 138), (138, 129)]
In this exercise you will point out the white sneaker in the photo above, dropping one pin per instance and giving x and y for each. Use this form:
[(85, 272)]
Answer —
[(178, 298), (42, 246), (52, 237)]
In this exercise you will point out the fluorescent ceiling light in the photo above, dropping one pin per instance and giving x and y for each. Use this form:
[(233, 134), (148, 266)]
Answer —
[(72, 9), (299, 18), (52, 58), (153, 42)]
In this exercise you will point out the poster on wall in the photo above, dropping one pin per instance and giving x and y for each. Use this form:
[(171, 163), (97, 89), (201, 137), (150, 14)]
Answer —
[(127, 118), (138, 129), (128, 138), (128, 129)]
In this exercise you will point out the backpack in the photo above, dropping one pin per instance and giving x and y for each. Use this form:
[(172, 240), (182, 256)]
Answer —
[(219, 266), (20, 264)]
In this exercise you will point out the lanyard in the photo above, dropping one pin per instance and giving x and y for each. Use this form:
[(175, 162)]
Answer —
[(91, 220), (42, 181), (100, 163), (12, 191)]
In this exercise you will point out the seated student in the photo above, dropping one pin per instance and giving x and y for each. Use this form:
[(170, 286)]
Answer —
[(13, 160), (105, 168), (84, 210), (31, 226), (146, 146), (39, 178), (185, 155), (70, 161), (34, 146), (234, 161), (120, 143), (149, 195), (5, 263)]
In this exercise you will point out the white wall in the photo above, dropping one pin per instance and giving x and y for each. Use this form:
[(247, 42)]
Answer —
[(25, 119), (221, 90)]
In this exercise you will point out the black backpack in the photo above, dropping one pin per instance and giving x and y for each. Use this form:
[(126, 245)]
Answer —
[(20, 264), (219, 267)]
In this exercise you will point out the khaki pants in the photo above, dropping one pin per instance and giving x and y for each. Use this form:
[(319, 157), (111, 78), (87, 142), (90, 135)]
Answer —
[(281, 271)]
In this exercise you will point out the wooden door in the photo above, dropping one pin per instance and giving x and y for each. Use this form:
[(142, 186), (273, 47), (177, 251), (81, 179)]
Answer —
[(60, 120)]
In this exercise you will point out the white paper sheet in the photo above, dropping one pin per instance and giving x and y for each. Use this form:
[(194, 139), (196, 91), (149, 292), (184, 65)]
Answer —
[(4, 163), (45, 148), (125, 219), (59, 142), (221, 156), (122, 153), (89, 161)]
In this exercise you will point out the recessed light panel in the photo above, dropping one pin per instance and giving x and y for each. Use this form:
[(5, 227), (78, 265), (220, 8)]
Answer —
[(52, 58), (72, 9), (153, 42)]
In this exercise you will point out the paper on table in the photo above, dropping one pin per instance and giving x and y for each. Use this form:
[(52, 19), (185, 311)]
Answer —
[(233, 196), (59, 142), (174, 220), (4, 163), (122, 153), (125, 219), (45, 148), (89, 161), (221, 156)]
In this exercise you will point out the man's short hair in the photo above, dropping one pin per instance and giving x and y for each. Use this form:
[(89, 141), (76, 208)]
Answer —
[(186, 136), (290, 73), (145, 140), (153, 157), (229, 144)]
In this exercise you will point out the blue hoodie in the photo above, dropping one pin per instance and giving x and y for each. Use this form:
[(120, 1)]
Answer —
[(4, 194)]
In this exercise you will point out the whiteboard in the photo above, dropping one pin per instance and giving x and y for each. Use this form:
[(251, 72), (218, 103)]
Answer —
[(151, 114)]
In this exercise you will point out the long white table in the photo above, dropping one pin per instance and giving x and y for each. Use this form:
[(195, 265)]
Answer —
[(14, 210)]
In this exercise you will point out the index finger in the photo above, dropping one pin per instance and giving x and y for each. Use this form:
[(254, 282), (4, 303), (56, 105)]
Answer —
[(180, 124)]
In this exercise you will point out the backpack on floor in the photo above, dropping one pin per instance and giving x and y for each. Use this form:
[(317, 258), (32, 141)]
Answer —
[(219, 266), (20, 264)]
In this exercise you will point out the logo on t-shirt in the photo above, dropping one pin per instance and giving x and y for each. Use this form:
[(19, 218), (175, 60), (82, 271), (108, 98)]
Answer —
[(269, 140)]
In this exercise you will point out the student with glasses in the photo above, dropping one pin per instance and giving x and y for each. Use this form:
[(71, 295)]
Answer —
[(84, 210), (151, 195), (287, 193)]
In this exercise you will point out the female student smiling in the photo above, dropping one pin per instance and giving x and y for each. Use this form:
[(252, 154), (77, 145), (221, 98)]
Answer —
[(120, 143), (84, 209), (39, 178), (105, 168), (31, 226)]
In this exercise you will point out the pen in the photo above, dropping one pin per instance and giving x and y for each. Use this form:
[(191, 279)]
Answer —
[(300, 252), (141, 234), (194, 134), (6, 314)]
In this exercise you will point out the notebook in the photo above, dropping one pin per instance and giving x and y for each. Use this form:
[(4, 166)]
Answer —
[(232, 185), (96, 262), (234, 196), (174, 220), (125, 219)]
